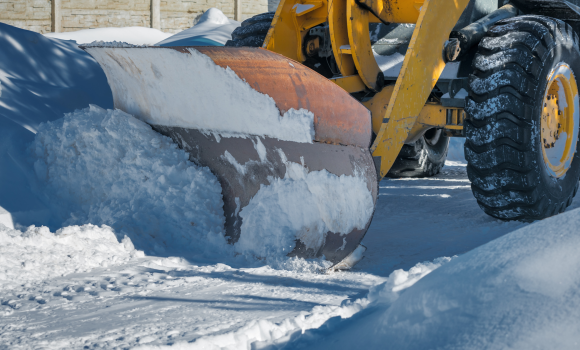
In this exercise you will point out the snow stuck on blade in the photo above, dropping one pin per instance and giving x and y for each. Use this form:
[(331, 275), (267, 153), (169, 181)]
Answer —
[(171, 88), (309, 204)]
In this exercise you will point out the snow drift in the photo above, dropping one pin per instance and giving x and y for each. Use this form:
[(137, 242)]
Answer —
[(131, 35), (38, 254), (106, 167), (519, 291), (40, 80), (212, 29)]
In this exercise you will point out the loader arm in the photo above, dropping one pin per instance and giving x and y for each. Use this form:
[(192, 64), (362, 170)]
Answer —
[(396, 109), (421, 69)]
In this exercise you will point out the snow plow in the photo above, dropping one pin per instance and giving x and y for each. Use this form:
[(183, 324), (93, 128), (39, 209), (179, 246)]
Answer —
[(361, 89)]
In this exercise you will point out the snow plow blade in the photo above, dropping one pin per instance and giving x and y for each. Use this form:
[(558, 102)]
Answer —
[(207, 106)]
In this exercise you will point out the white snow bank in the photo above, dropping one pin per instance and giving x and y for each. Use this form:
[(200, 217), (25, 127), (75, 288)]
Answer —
[(38, 254), (40, 80), (212, 29), (264, 334), (303, 205), (106, 167), (519, 291), (132, 35), (171, 88)]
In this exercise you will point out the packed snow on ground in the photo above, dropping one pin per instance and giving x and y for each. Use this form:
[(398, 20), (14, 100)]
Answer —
[(209, 97), (160, 301), (264, 333), (131, 35), (212, 29)]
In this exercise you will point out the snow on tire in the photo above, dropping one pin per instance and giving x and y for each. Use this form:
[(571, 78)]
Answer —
[(508, 109)]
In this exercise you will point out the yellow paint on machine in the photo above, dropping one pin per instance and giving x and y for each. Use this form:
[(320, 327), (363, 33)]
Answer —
[(421, 69)]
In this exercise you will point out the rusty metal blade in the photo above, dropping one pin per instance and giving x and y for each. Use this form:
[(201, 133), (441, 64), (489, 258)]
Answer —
[(342, 131)]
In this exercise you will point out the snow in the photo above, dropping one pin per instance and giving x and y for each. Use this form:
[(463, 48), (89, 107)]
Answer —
[(132, 35), (106, 167), (390, 65), (208, 98), (519, 291), (37, 254), (461, 93), (212, 29), (303, 205), (40, 78), (6, 218), (100, 43), (513, 285)]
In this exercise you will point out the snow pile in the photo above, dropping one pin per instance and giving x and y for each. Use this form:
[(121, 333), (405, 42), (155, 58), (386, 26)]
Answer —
[(101, 43), (172, 88), (387, 292), (106, 167), (519, 291), (132, 35), (212, 29), (40, 80), (38, 254), (259, 334), (303, 205)]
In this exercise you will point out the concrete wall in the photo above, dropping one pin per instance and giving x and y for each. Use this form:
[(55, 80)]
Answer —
[(84, 14), (28, 14), (176, 15)]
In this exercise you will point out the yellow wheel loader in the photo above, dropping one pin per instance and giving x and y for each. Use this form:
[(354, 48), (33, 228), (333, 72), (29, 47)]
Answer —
[(387, 82)]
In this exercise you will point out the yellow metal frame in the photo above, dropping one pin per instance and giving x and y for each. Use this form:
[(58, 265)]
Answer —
[(399, 112)]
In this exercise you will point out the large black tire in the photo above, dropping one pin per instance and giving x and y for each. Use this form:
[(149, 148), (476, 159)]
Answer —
[(425, 157), (508, 173), (252, 32)]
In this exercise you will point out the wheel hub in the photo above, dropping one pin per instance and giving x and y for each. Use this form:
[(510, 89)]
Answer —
[(559, 121)]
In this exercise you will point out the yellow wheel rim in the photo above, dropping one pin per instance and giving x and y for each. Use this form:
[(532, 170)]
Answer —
[(559, 121)]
